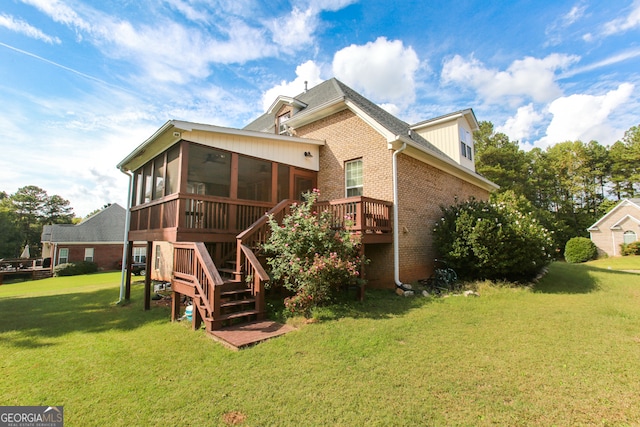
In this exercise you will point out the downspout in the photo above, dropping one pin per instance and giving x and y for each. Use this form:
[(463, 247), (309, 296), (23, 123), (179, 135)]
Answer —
[(125, 246), (396, 249)]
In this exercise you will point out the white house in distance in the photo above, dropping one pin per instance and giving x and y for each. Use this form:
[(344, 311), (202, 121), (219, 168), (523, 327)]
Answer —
[(621, 225)]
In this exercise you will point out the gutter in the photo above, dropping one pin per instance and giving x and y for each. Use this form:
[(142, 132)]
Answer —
[(125, 246), (396, 249)]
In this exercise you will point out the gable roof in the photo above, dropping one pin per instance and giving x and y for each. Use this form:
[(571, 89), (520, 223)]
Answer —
[(624, 202), (333, 93), (106, 226), (332, 96), (468, 114)]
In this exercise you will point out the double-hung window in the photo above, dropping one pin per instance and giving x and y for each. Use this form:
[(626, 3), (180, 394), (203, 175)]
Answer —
[(282, 120), (63, 256), (88, 254), (466, 144), (354, 178)]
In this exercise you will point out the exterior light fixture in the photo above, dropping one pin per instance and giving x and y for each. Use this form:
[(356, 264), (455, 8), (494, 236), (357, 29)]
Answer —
[(308, 154)]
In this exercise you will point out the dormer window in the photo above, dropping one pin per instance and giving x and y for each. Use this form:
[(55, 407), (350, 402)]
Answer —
[(466, 144), (282, 120)]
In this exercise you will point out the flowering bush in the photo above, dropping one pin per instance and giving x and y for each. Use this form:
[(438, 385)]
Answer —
[(311, 258), (483, 240)]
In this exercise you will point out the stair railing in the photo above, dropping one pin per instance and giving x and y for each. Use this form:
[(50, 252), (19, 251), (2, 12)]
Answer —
[(193, 264), (249, 243)]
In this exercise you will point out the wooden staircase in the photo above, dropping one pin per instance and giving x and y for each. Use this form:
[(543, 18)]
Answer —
[(228, 295)]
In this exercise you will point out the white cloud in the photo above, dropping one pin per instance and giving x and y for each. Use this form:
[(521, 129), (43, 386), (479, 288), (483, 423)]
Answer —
[(520, 126), (61, 13), (28, 30), (309, 72), (585, 117), (557, 30), (383, 70), (626, 23), (529, 77), (295, 30)]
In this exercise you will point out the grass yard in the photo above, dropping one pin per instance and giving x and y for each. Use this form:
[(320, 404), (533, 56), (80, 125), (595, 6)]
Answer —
[(565, 352)]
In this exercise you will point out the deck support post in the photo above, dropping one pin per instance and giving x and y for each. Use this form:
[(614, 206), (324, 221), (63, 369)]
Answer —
[(147, 278)]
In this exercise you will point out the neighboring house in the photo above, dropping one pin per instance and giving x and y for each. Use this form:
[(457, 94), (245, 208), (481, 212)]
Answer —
[(203, 183), (621, 225), (98, 238)]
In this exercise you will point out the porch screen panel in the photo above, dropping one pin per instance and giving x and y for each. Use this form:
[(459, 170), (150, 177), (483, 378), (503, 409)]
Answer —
[(148, 183), (209, 171), (173, 170), (158, 177), (283, 182), (138, 189), (254, 179)]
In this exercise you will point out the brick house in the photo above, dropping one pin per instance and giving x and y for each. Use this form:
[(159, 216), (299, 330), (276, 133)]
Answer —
[(202, 183), (99, 238), (621, 225)]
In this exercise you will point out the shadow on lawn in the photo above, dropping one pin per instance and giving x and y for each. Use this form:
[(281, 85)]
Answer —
[(566, 278), (377, 304), (40, 319)]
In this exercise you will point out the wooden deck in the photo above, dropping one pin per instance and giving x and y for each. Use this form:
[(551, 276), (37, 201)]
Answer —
[(247, 334)]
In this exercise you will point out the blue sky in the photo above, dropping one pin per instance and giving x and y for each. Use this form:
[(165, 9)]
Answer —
[(82, 83)]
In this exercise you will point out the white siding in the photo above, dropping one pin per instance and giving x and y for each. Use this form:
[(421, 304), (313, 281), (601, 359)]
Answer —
[(290, 153), (446, 136)]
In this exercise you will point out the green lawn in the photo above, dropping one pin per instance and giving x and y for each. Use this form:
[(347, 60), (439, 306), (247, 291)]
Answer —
[(564, 352)]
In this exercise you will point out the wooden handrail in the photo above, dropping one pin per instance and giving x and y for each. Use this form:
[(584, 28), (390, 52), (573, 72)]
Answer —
[(251, 257), (254, 270), (284, 204), (202, 273)]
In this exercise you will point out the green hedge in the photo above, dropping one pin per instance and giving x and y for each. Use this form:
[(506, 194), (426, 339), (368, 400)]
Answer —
[(580, 249), (632, 248), (75, 268), (496, 241)]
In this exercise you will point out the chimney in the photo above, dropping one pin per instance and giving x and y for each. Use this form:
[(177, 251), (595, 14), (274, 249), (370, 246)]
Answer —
[(305, 86)]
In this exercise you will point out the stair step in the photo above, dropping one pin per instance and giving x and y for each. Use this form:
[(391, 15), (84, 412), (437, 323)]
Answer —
[(234, 292), (238, 302), (227, 270), (237, 315)]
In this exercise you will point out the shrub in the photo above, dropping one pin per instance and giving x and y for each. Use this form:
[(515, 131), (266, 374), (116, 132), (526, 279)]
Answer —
[(484, 240), (309, 257), (75, 268), (632, 248), (580, 249)]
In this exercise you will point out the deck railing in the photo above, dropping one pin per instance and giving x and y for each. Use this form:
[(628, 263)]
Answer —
[(359, 214), (221, 215), (197, 212), (193, 265)]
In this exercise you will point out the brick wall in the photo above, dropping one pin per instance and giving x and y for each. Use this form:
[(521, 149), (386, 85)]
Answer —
[(608, 241), (421, 190), (347, 138), (108, 257)]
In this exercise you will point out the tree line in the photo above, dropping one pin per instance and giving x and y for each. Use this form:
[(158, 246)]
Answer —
[(23, 215), (570, 184)]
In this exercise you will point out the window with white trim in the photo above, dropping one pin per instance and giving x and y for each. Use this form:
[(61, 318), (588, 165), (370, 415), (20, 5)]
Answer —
[(282, 127), (466, 144), (629, 237), (63, 256), (354, 178), (139, 254), (88, 254), (158, 254)]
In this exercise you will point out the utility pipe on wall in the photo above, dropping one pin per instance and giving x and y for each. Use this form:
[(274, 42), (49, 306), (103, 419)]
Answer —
[(396, 249)]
